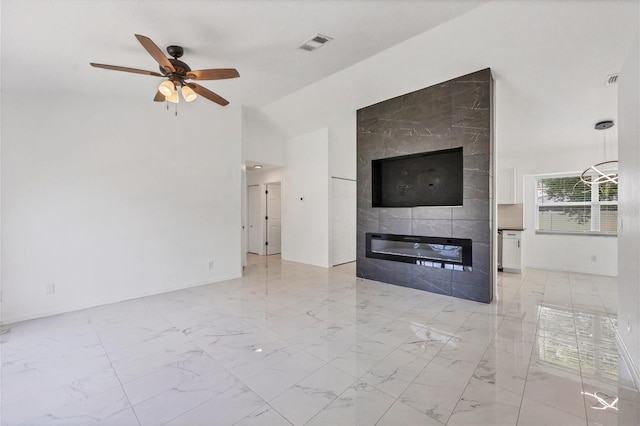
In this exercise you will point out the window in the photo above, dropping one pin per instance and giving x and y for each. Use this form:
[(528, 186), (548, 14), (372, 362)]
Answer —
[(567, 205)]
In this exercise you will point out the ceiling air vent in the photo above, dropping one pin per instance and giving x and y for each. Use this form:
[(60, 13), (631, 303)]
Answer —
[(316, 41), (612, 79)]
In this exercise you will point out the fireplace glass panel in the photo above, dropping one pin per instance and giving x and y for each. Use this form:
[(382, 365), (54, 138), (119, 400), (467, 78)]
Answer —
[(437, 252), (444, 252)]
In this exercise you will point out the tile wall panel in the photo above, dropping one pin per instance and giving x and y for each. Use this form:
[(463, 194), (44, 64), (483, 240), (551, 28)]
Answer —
[(456, 113)]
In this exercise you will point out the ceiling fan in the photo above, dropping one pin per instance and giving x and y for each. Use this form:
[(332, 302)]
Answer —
[(177, 74)]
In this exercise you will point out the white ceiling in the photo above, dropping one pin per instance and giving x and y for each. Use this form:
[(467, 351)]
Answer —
[(47, 45), (550, 58)]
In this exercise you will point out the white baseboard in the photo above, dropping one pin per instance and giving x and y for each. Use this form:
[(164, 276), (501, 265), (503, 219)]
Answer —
[(578, 271), (79, 307), (628, 360)]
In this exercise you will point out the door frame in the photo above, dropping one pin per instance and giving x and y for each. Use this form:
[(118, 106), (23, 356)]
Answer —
[(263, 214), (266, 215), (331, 220), (259, 225)]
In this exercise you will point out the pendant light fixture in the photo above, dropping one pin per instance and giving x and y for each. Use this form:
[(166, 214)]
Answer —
[(167, 88), (606, 170), (188, 94), (174, 98)]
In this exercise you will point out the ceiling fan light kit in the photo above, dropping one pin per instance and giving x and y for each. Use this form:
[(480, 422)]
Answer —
[(177, 73)]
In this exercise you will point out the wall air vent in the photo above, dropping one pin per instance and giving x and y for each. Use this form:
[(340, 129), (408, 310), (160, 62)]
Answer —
[(612, 79), (316, 41)]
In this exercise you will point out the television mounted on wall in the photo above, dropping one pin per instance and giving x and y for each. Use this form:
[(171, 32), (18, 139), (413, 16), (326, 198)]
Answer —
[(425, 179)]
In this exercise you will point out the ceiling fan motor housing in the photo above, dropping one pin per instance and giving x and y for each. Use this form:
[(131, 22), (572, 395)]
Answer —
[(175, 51), (181, 70)]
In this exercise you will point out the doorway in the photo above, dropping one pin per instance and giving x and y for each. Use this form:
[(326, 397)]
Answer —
[(253, 212), (264, 218), (274, 228)]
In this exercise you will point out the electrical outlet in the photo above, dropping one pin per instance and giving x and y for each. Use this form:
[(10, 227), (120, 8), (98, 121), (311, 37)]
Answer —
[(594, 258), (211, 265), (50, 289)]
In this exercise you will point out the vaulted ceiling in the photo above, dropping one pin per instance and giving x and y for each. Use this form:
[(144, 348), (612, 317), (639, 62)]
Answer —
[(550, 58), (47, 44)]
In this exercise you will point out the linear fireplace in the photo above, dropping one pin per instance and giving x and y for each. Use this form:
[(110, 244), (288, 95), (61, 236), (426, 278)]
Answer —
[(436, 252)]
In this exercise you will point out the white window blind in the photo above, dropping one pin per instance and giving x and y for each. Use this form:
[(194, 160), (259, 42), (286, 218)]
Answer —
[(565, 204)]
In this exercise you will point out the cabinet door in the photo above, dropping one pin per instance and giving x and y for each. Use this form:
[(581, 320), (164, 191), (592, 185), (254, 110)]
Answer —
[(511, 254), (506, 186)]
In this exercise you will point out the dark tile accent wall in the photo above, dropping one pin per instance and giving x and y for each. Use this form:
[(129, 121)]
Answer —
[(455, 113)]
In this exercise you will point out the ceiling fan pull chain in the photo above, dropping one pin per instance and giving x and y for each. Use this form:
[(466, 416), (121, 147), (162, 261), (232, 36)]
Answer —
[(176, 109)]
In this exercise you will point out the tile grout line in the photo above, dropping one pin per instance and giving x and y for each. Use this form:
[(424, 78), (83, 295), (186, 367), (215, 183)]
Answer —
[(526, 377), (575, 330), (397, 399), (113, 368), (537, 330), (215, 396), (379, 362), (421, 371), (483, 355)]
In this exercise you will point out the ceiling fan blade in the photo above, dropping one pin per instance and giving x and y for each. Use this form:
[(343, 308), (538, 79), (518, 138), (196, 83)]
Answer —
[(155, 52), (159, 97), (125, 69), (206, 93), (213, 74)]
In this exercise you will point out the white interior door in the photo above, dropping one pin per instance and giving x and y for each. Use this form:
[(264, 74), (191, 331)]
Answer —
[(343, 219), (254, 218), (273, 218)]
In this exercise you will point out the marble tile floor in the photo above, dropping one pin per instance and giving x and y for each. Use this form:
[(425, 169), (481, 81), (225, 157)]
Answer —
[(296, 344)]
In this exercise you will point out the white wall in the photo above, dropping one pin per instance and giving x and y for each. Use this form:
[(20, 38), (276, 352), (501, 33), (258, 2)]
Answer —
[(305, 222), (265, 176), (111, 199), (629, 208), (261, 140)]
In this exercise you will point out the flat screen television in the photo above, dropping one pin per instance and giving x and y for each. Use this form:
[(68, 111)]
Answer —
[(424, 179)]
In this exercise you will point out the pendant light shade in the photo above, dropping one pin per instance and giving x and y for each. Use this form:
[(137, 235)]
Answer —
[(174, 98), (188, 94), (167, 88)]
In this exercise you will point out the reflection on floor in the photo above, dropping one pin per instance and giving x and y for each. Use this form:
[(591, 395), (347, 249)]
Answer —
[(296, 344)]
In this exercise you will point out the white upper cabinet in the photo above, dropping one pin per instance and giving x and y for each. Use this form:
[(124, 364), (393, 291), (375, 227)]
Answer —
[(506, 185)]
